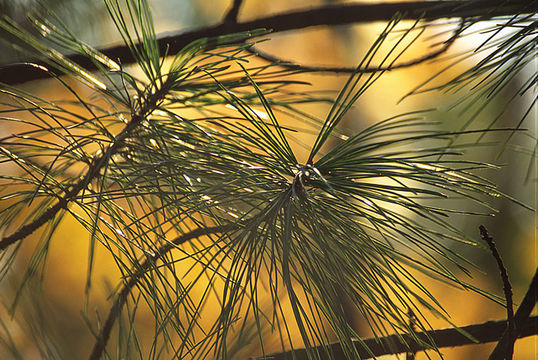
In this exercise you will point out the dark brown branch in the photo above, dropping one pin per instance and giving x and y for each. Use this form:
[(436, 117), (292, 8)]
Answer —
[(484, 333), (62, 203), (301, 19), (507, 287), (308, 68), (347, 70), (412, 325), (138, 272), (231, 16), (93, 171), (520, 318)]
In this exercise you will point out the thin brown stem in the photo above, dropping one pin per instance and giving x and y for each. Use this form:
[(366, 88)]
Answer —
[(520, 319), (371, 69), (138, 272), (322, 16), (507, 287)]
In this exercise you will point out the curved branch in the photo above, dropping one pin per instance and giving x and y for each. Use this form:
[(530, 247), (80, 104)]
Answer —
[(486, 332), (138, 271), (300, 19), (347, 70)]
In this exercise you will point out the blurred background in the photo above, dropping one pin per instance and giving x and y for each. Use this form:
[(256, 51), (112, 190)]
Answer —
[(52, 308)]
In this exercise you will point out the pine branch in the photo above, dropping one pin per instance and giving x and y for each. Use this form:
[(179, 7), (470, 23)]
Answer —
[(487, 332), (93, 171), (138, 272), (484, 333), (490, 331), (301, 19)]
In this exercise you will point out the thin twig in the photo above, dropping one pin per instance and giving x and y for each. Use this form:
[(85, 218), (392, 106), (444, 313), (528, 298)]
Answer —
[(322, 16), (520, 318), (483, 333), (347, 70), (507, 287), (138, 272)]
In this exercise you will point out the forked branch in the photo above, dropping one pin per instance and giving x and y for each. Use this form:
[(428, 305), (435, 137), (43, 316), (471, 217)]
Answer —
[(294, 20), (520, 319), (490, 331)]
